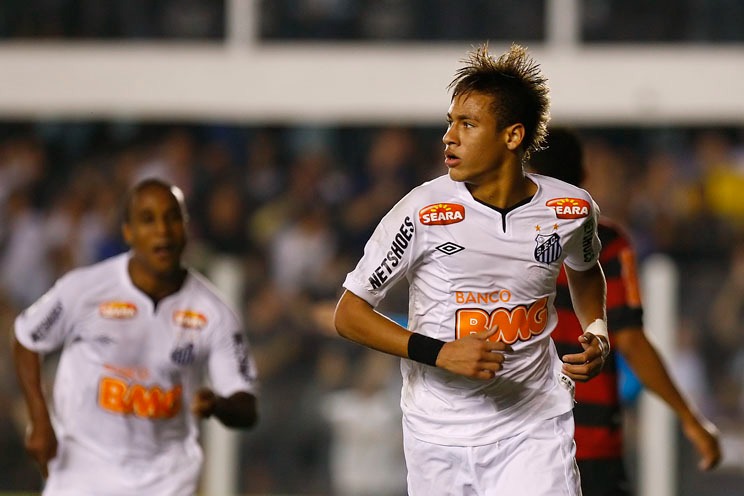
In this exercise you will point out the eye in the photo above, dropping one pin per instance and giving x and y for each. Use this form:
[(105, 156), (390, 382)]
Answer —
[(146, 217)]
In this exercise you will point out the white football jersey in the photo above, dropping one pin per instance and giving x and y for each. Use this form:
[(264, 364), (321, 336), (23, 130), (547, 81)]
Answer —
[(127, 373), (471, 266)]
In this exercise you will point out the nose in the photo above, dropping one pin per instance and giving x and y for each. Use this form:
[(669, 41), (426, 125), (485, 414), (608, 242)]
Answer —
[(162, 226), (449, 136)]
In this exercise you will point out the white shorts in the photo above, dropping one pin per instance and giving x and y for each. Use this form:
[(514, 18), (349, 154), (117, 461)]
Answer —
[(537, 462), (77, 472)]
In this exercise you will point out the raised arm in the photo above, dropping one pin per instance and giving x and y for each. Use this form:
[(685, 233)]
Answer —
[(41, 441)]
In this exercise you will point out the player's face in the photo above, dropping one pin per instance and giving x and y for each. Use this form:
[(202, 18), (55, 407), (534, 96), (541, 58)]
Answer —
[(156, 230), (474, 146)]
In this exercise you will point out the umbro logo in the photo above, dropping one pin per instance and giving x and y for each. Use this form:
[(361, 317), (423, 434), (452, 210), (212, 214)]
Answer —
[(450, 248)]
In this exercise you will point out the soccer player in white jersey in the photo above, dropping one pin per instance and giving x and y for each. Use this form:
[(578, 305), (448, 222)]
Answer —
[(487, 402), (137, 332)]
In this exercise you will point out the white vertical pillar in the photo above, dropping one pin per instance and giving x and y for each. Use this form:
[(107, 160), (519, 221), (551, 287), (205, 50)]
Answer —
[(221, 444), (657, 440), (562, 23), (241, 24)]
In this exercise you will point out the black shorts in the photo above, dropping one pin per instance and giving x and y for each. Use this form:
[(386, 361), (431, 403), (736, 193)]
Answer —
[(604, 477)]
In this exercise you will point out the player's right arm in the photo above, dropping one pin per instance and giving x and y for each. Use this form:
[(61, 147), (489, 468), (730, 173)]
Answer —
[(40, 329), (41, 441), (471, 356)]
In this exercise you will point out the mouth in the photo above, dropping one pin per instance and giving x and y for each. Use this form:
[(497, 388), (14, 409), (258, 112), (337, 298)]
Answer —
[(165, 250), (451, 160)]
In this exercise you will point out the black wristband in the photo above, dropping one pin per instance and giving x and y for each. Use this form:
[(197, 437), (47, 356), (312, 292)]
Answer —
[(424, 349)]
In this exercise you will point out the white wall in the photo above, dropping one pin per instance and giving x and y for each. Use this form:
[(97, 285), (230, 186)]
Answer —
[(356, 83)]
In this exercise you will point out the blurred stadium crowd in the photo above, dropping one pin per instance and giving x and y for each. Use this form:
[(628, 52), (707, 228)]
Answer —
[(292, 207)]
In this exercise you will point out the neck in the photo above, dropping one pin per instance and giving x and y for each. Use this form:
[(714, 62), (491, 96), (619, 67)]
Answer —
[(155, 285), (507, 187)]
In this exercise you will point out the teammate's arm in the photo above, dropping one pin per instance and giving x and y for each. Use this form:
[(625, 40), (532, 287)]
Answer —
[(588, 295), (41, 441), (237, 410), (471, 356)]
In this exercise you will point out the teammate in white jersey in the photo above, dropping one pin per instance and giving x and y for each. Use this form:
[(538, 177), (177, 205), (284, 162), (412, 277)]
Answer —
[(137, 332), (486, 400)]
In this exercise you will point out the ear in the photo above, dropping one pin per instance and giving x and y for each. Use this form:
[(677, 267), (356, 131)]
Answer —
[(126, 232), (514, 135)]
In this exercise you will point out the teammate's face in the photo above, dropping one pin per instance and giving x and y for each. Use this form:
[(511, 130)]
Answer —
[(475, 147), (156, 230)]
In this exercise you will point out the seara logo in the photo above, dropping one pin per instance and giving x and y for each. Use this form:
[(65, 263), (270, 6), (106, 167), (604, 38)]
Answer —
[(189, 319), (569, 208), (117, 310), (441, 214)]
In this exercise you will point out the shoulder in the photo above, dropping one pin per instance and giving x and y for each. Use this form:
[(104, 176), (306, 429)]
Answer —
[(91, 276), (439, 190), (208, 294), (555, 187)]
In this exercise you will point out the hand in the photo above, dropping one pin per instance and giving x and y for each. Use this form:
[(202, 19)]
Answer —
[(474, 355), (704, 436), (41, 444), (583, 366), (204, 403)]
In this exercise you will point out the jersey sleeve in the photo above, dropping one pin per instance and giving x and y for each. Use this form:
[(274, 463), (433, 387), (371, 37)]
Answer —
[(584, 246), (231, 366), (388, 255), (624, 307), (44, 326)]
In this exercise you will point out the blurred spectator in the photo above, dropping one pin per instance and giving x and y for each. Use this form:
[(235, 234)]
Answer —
[(173, 160), (26, 269), (366, 437), (388, 173), (287, 451), (723, 176), (301, 251), (224, 226), (263, 170), (78, 221), (725, 319)]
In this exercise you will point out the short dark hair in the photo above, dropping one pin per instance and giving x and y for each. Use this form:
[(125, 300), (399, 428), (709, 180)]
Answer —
[(562, 158), (518, 88), (148, 183)]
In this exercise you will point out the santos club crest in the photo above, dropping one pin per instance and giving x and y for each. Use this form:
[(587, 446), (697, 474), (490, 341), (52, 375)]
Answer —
[(548, 248)]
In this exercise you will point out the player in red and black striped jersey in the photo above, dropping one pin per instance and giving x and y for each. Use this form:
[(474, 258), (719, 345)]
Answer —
[(597, 414)]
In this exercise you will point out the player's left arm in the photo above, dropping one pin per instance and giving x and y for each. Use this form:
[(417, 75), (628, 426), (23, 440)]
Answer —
[(648, 365), (233, 378), (630, 340), (588, 295), (238, 410)]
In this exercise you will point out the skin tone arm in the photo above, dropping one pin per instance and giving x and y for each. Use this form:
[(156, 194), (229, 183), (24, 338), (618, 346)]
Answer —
[(471, 356), (237, 410), (588, 295), (644, 360), (41, 441)]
